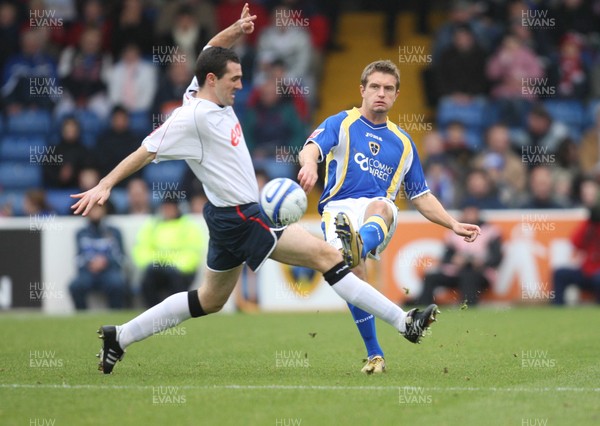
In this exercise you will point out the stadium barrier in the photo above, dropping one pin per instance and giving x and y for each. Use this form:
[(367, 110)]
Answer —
[(38, 262)]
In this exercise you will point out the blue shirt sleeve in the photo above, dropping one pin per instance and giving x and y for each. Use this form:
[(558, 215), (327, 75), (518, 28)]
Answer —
[(326, 135), (414, 180)]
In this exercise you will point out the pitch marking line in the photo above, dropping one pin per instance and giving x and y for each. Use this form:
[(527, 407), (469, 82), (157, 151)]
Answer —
[(299, 387)]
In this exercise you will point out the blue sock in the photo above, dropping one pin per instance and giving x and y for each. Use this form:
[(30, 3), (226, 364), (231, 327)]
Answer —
[(366, 326), (373, 232)]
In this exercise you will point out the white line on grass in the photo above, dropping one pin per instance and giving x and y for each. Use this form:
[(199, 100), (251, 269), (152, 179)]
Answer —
[(298, 387)]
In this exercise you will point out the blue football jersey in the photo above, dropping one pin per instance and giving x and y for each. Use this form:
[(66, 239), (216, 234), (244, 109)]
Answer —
[(365, 159)]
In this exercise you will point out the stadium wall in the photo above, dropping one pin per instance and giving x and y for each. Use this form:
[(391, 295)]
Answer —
[(38, 262)]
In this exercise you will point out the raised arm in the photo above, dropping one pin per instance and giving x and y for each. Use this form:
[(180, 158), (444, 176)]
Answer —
[(229, 35), (308, 174), (100, 193), (429, 206)]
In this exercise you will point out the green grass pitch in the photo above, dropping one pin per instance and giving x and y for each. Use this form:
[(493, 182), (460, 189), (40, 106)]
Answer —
[(479, 366)]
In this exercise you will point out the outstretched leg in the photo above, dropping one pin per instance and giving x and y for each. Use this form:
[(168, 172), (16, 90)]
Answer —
[(297, 247), (209, 298)]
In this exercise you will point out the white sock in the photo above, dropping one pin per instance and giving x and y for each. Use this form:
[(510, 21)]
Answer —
[(356, 291), (168, 313)]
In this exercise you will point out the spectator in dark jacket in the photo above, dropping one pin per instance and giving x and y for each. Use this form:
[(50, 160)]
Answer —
[(99, 261), (9, 31), (30, 77), (73, 156), (84, 71), (461, 68), (116, 143)]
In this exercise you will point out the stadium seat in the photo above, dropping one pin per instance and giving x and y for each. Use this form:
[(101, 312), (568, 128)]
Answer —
[(140, 123), (241, 101), (592, 109), (90, 122), (60, 200), (14, 199), (472, 115), (21, 148), (120, 201), (492, 114), (164, 172), (570, 112), (474, 139), (20, 176), (30, 122)]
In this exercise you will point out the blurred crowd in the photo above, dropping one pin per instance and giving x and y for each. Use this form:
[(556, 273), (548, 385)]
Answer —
[(516, 90), (83, 81), (514, 87)]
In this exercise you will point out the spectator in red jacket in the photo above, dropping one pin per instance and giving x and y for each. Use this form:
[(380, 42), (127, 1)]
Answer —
[(586, 240)]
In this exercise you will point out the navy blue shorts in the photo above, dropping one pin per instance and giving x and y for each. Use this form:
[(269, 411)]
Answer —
[(238, 234)]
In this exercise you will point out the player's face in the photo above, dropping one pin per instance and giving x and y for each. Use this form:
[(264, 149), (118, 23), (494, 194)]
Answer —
[(226, 86), (380, 92)]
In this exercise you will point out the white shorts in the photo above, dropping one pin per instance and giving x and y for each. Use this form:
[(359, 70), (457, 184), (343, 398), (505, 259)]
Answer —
[(355, 208)]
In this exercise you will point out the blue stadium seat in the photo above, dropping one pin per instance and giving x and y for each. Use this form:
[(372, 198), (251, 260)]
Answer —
[(90, 122), (570, 112), (119, 199), (492, 114), (474, 139), (140, 123), (472, 115), (164, 172), (22, 148), (60, 200), (30, 122), (593, 109), (241, 101), (20, 176), (14, 199)]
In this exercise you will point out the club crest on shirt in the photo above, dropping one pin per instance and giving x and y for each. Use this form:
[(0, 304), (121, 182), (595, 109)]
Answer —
[(374, 147)]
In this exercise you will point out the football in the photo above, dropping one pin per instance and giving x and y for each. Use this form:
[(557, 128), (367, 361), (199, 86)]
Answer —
[(282, 201)]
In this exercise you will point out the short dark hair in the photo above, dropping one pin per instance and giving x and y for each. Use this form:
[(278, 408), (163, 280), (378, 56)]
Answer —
[(214, 60), (383, 66), (119, 109)]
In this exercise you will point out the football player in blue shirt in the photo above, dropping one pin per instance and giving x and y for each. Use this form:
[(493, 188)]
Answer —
[(367, 159)]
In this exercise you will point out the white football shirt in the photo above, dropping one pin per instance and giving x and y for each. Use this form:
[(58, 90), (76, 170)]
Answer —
[(210, 139)]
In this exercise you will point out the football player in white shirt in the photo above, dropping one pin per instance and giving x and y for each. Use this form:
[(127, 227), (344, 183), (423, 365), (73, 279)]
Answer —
[(206, 134)]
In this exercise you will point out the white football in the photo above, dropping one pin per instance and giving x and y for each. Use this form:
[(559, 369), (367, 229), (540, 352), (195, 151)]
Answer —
[(282, 201)]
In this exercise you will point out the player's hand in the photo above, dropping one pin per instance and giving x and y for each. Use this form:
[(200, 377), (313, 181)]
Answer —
[(245, 22), (97, 195), (470, 232), (307, 176)]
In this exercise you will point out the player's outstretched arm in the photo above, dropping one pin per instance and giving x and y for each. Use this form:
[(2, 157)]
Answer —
[(244, 25), (429, 206), (309, 171), (100, 193)]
